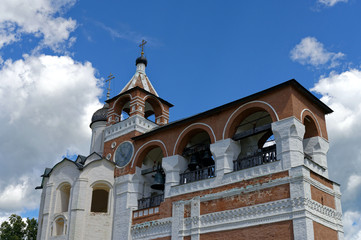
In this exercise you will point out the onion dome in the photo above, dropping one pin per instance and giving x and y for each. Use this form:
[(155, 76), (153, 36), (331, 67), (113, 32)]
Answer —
[(141, 59), (101, 114)]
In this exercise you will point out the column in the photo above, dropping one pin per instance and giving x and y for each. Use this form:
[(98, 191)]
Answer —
[(224, 153), (289, 134), (173, 166), (317, 148)]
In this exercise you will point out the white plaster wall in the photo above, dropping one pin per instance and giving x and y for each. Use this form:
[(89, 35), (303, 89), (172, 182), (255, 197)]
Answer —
[(97, 140)]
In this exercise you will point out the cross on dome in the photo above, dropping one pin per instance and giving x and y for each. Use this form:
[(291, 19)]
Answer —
[(140, 78)]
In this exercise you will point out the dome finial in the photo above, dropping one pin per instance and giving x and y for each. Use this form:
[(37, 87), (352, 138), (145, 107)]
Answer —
[(142, 46), (142, 59)]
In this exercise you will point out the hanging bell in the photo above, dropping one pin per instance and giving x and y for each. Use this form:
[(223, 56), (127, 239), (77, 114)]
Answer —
[(207, 159), (193, 163), (159, 181)]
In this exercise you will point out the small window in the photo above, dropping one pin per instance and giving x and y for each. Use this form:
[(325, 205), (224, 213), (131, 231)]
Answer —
[(63, 198), (59, 227), (100, 199)]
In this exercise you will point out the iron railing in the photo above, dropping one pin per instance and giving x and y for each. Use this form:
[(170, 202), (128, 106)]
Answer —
[(149, 202), (265, 155), (199, 174)]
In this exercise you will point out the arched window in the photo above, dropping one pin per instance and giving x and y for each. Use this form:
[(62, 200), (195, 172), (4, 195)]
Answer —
[(63, 197), (257, 142), (153, 179), (125, 112), (153, 109), (100, 198), (59, 227), (200, 159), (310, 127)]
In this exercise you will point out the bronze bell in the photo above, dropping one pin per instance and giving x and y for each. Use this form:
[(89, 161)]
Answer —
[(207, 159), (193, 163), (159, 181)]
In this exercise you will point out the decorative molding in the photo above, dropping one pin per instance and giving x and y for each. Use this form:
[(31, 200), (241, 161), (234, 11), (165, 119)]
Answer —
[(132, 123), (270, 212), (153, 229)]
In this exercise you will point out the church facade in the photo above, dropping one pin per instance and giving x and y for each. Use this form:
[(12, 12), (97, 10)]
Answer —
[(255, 168)]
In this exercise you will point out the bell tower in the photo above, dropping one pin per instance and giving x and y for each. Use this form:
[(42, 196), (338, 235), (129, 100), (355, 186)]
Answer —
[(135, 110)]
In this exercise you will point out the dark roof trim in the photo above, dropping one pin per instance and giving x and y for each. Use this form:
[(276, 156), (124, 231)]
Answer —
[(141, 89), (79, 165), (291, 82)]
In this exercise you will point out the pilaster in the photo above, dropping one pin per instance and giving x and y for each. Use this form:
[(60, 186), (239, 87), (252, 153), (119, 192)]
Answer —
[(195, 215), (299, 188), (303, 229), (338, 206), (126, 200), (45, 225), (177, 219), (77, 209), (288, 135), (172, 167)]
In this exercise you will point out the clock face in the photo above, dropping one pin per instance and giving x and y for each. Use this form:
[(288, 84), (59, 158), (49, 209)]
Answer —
[(123, 154)]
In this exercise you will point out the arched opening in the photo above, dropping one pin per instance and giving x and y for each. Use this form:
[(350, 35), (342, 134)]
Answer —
[(59, 227), (255, 136), (310, 127), (63, 197), (199, 157), (100, 198), (125, 112), (152, 110), (122, 108), (152, 180)]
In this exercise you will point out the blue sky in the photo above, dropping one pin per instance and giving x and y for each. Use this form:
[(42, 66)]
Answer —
[(55, 56)]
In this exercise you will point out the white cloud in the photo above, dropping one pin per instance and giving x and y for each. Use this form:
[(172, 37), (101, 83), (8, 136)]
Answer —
[(46, 103), (310, 51), (38, 17), (330, 3), (341, 91), (352, 225)]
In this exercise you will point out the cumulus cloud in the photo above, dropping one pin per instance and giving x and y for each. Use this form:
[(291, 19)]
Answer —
[(312, 52), (46, 103), (37, 17), (330, 3), (352, 225), (341, 91)]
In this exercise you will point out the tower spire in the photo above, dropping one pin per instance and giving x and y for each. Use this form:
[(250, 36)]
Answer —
[(140, 78)]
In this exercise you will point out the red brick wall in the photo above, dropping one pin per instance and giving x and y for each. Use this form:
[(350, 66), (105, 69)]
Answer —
[(321, 179), (276, 231), (242, 200), (165, 208), (323, 233), (322, 197)]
